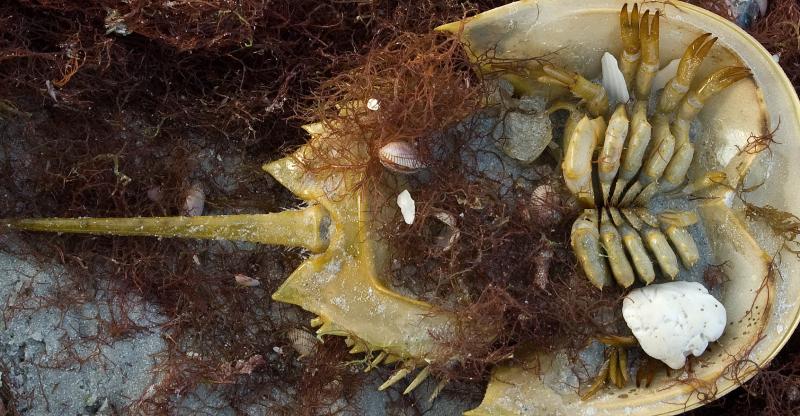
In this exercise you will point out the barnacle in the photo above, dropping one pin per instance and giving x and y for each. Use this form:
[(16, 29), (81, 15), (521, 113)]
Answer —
[(341, 281)]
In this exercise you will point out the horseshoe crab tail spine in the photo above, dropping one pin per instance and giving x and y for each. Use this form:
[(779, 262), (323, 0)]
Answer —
[(305, 228)]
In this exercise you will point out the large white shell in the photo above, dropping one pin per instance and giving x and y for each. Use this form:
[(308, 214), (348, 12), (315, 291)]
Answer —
[(613, 80), (672, 320), (400, 157)]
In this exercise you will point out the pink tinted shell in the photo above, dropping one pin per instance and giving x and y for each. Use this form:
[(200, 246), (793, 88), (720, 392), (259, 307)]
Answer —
[(400, 157)]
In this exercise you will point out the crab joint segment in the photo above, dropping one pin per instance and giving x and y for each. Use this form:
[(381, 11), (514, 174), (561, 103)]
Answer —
[(648, 36), (676, 88), (609, 161), (585, 241), (577, 164), (629, 30), (684, 244), (593, 94), (612, 243), (635, 248)]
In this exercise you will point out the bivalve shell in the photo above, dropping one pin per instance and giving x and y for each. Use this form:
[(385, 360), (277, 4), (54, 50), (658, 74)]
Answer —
[(302, 341), (401, 157)]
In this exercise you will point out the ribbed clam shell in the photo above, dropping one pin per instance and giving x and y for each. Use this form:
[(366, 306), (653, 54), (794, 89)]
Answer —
[(546, 205), (302, 341), (400, 157)]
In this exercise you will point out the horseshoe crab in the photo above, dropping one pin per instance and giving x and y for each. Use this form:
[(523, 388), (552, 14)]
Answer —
[(341, 281)]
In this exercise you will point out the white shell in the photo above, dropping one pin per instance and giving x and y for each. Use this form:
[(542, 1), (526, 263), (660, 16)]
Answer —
[(373, 104), (675, 319), (400, 157), (407, 206), (613, 80), (302, 341)]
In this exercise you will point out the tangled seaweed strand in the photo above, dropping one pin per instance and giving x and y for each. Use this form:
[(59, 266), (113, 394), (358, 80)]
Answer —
[(427, 94), (420, 86), (779, 32), (119, 108)]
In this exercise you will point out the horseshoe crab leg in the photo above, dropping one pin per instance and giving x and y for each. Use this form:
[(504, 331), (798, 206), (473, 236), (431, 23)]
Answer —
[(675, 173), (694, 101), (612, 243), (593, 94), (655, 240), (639, 139), (631, 52), (577, 164), (575, 116), (307, 227), (663, 147), (677, 88), (634, 247), (585, 241), (609, 161), (683, 243), (648, 36)]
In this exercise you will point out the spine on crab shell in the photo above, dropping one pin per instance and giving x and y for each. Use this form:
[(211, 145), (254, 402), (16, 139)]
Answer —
[(297, 228)]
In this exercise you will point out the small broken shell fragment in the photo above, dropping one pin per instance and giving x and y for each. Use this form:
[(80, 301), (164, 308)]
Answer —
[(302, 341), (675, 319), (246, 281), (195, 201), (400, 157), (373, 104), (407, 206), (450, 233)]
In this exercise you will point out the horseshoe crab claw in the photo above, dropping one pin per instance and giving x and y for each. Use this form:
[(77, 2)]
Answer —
[(761, 310)]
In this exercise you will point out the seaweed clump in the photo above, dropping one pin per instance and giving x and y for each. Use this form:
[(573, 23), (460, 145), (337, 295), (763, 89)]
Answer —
[(409, 91), (494, 254), (779, 32), (121, 109)]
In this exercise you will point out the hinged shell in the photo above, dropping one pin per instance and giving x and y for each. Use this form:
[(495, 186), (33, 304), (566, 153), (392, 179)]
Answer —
[(401, 157)]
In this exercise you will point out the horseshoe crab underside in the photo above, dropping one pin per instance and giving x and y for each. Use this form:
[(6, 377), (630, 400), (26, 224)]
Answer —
[(341, 281)]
